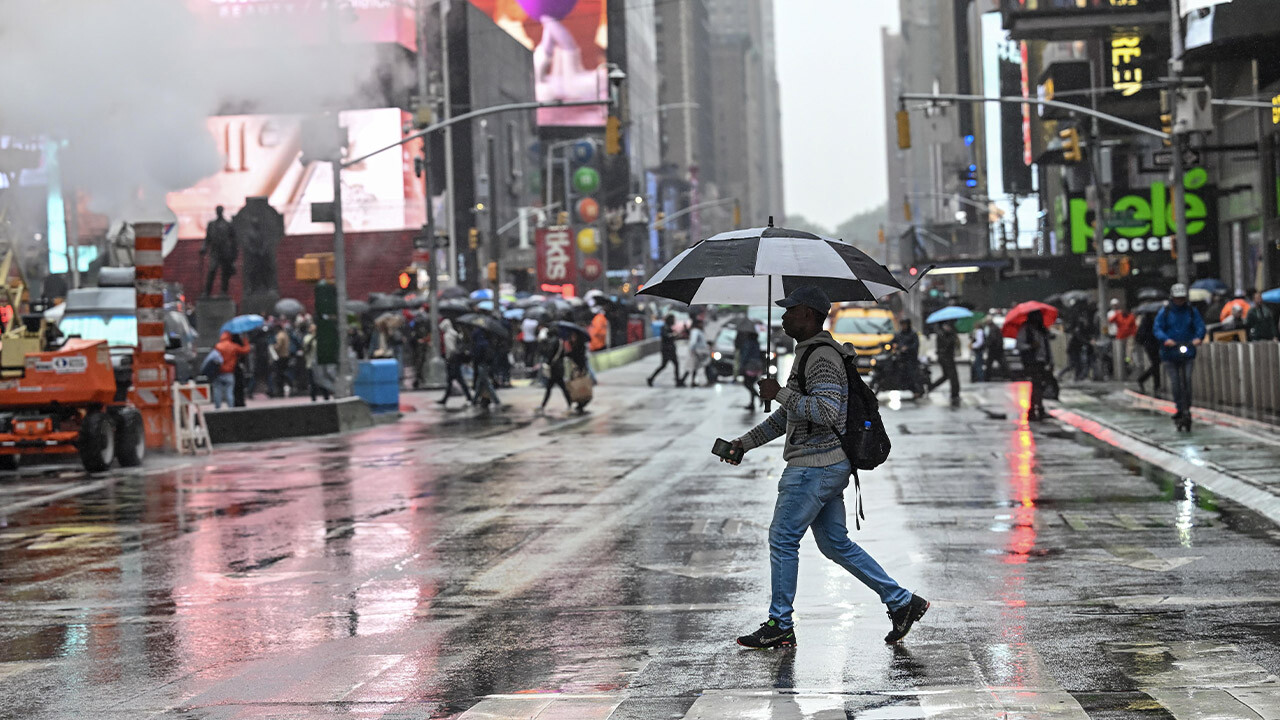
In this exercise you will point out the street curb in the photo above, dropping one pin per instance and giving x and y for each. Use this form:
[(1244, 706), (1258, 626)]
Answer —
[(1210, 416), (1217, 479)]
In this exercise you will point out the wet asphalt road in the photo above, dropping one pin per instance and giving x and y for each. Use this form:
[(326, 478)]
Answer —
[(551, 566)]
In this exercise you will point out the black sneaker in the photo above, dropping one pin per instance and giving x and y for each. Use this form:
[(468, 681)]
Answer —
[(904, 617), (769, 636)]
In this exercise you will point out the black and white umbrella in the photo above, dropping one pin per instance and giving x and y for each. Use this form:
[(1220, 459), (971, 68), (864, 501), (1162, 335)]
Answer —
[(759, 266)]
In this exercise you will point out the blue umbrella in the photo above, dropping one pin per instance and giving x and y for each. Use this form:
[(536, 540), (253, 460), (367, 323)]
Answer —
[(484, 305), (1271, 296), (482, 294), (242, 324), (513, 313), (949, 313), (1213, 285)]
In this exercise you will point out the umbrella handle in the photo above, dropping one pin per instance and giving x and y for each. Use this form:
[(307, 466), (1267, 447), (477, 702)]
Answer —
[(768, 334)]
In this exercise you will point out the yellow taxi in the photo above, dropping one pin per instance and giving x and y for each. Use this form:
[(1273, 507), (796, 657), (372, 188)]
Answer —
[(869, 329)]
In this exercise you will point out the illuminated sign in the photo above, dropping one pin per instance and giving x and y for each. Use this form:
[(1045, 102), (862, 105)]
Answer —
[(555, 255), (1126, 72), (569, 39), (1150, 224), (262, 157), (1275, 110)]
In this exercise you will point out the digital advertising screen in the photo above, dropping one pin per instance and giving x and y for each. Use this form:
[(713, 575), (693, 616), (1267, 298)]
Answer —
[(313, 21), (263, 157), (568, 39)]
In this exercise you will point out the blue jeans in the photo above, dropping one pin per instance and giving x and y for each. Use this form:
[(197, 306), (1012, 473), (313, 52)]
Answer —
[(814, 497), (1179, 372), (224, 390)]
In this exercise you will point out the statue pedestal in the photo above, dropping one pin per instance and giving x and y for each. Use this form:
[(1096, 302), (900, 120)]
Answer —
[(260, 303), (212, 312)]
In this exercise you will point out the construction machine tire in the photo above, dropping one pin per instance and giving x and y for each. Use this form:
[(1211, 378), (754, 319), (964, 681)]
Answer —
[(97, 442), (131, 440)]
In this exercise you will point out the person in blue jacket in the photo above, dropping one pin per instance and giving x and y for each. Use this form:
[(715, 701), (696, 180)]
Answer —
[(1180, 330)]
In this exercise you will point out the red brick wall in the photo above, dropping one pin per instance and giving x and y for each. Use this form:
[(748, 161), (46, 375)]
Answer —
[(373, 261)]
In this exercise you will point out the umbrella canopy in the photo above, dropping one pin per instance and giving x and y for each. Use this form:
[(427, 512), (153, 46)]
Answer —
[(482, 294), (288, 307), (1199, 295), (1271, 296), (359, 307), (1071, 297), (1151, 307), (1150, 293), (513, 314), (456, 306), (949, 313), (452, 291), (566, 328), (385, 301), (487, 323), (242, 324), (1017, 317), (759, 265), (1054, 299), (537, 313), (1213, 285), (965, 325)]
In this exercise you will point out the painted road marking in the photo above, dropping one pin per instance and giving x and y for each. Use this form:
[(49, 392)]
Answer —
[(1202, 704), (1143, 559), (766, 705), (543, 707)]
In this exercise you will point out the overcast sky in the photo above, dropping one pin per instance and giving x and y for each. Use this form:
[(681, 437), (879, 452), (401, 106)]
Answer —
[(833, 137)]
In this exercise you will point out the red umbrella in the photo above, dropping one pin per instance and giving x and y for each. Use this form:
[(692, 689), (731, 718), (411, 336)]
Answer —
[(1018, 315)]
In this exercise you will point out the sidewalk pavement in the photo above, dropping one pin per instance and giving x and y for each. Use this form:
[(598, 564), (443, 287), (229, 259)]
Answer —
[(1232, 457)]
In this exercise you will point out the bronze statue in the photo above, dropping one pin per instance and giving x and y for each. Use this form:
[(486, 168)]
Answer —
[(221, 247), (259, 229)]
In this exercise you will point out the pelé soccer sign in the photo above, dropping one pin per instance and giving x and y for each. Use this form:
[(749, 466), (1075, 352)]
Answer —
[(1148, 229)]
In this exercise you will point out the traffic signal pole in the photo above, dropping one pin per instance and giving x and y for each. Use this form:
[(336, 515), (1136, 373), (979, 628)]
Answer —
[(1175, 166)]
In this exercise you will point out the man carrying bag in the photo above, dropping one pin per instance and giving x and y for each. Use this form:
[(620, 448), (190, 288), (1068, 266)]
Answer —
[(814, 414)]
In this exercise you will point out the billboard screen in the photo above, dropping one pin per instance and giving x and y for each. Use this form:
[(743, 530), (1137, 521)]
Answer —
[(263, 157), (568, 39)]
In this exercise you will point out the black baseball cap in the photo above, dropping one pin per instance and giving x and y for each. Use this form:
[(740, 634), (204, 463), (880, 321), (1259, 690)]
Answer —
[(809, 296)]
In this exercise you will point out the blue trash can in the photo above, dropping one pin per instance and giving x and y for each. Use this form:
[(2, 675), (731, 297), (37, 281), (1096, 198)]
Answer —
[(378, 384)]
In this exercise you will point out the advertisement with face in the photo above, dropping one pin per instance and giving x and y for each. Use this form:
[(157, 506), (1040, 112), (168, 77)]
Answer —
[(568, 39), (263, 158)]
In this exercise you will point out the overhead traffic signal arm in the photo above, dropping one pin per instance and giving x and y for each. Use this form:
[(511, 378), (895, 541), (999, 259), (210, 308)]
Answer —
[(1019, 100)]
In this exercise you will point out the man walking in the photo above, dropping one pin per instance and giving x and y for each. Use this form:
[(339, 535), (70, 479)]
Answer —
[(454, 356), (948, 345), (1260, 320), (811, 491), (668, 351), (1180, 330), (978, 345)]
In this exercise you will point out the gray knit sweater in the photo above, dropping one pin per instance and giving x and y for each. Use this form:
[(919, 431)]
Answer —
[(810, 420)]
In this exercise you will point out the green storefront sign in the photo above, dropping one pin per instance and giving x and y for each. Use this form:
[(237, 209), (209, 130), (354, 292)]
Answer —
[(1149, 228)]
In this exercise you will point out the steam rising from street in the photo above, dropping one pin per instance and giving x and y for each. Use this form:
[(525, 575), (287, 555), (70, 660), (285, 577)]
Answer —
[(128, 84)]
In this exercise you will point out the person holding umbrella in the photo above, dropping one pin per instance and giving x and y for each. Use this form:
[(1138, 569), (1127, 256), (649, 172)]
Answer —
[(1029, 322), (811, 491), (454, 356), (1180, 330), (1146, 338)]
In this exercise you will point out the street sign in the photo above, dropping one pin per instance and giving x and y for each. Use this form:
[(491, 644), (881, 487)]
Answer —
[(1164, 158)]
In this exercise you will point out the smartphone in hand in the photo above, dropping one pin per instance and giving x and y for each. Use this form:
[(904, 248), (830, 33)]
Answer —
[(726, 450)]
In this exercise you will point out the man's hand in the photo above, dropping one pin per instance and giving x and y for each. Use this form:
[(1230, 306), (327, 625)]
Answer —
[(769, 388), (1170, 343), (737, 448), (1197, 342)]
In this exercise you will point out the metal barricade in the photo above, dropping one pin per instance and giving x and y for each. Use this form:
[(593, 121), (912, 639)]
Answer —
[(1238, 378)]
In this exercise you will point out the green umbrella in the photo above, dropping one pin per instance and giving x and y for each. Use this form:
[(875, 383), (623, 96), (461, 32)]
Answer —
[(965, 325)]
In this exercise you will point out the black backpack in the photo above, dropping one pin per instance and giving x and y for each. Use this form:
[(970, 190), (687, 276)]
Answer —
[(863, 437)]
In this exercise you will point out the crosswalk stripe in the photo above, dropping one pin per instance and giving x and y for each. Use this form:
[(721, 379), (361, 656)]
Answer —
[(980, 704), (543, 707), (1202, 704), (766, 705)]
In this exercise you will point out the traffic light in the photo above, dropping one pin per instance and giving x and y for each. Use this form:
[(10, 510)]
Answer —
[(737, 214), (613, 136), (904, 130), (970, 175), (404, 279), (1104, 267), (492, 271), (1166, 125), (473, 238), (1071, 145)]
